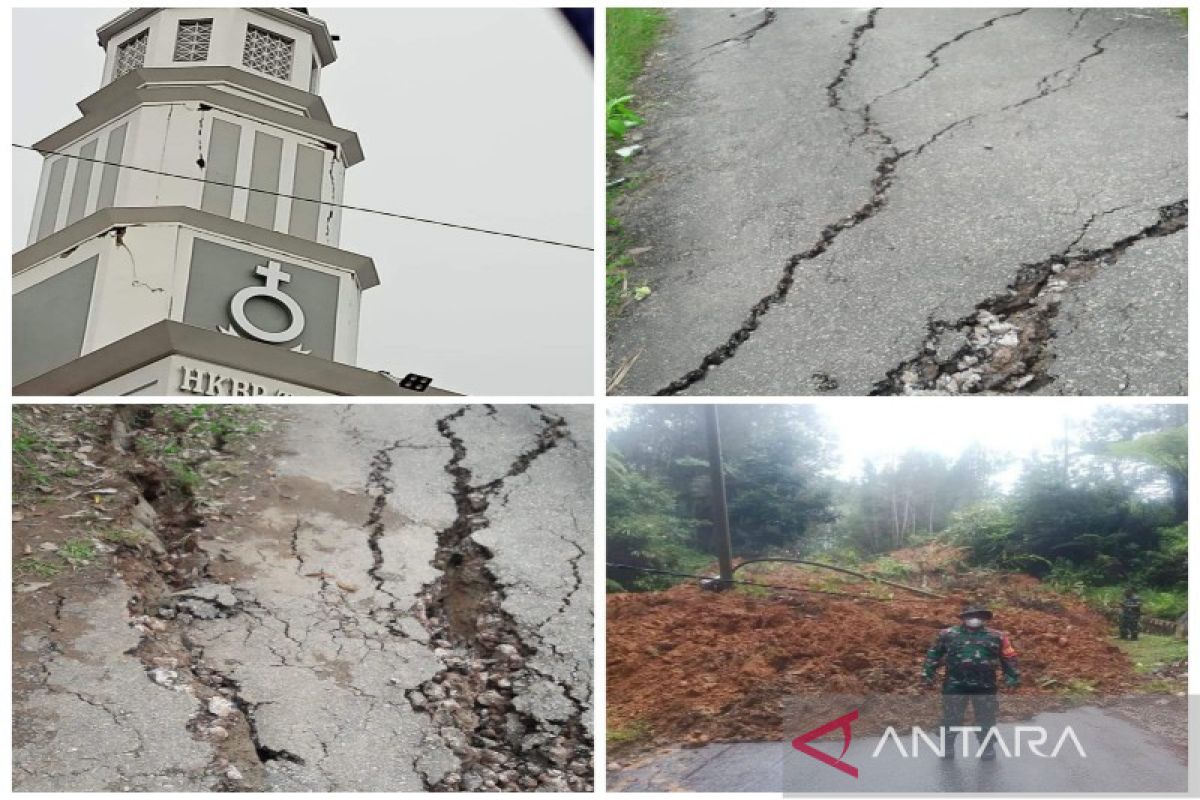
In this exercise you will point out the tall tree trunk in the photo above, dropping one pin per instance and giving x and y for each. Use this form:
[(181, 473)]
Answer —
[(1179, 495)]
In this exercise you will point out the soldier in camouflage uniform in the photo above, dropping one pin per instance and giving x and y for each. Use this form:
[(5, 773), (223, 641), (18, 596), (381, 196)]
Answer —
[(973, 653), (1131, 615)]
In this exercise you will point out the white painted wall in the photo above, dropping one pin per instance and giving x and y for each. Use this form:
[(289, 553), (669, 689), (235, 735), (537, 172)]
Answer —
[(145, 281), (171, 138)]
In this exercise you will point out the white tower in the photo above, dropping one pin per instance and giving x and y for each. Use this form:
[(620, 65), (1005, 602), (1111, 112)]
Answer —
[(139, 282)]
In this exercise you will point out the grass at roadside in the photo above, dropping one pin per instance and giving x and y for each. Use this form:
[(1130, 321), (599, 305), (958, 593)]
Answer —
[(632, 33), (1150, 651)]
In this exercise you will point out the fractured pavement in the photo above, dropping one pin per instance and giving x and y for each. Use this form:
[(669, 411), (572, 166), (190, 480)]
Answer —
[(819, 196), (354, 625)]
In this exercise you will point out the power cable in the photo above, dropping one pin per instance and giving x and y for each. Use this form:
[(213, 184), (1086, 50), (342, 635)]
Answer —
[(743, 583), (393, 214)]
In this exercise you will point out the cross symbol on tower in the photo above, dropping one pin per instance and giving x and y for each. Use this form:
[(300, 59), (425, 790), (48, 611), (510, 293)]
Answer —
[(274, 274)]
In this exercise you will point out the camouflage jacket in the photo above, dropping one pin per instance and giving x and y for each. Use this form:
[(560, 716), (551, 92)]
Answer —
[(972, 658), (1131, 607)]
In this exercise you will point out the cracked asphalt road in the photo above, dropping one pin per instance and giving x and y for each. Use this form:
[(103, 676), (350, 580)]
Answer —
[(363, 622), (827, 193)]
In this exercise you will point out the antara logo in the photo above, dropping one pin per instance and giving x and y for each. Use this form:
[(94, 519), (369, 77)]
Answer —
[(937, 746), (1037, 737), (801, 743)]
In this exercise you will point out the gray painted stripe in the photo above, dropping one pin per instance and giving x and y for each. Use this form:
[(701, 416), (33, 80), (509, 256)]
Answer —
[(264, 174), (49, 320), (310, 164), (221, 165), (108, 176), (54, 189), (83, 182)]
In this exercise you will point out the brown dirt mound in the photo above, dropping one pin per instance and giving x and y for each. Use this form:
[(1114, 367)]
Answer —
[(697, 666)]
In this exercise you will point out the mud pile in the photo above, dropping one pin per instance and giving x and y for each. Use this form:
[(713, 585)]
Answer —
[(697, 666)]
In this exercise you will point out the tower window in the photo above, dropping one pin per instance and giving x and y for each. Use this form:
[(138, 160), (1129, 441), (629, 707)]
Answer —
[(131, 54), (191, 44), (268, 52)]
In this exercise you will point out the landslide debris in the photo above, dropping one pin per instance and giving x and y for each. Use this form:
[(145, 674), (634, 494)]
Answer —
[(686, 665)]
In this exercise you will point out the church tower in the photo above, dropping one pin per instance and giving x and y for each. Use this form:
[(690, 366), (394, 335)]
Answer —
[(208, 263)]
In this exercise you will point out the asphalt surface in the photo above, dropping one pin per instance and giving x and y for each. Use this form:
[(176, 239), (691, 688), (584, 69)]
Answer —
[(320, 616), (819, 187), (1120, 758)]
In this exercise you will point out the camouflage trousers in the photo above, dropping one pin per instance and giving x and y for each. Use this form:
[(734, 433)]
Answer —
[(954, 710), (1130, 626)]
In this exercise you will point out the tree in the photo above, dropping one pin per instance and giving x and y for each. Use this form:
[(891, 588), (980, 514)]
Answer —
[(643, 528), (1165, 451)]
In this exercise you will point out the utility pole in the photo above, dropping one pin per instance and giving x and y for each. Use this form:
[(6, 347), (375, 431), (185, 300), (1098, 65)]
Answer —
[(719, 508)]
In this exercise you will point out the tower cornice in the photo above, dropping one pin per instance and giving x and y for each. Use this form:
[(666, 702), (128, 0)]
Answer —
[(310, 105), (106, 219), (121, 96)]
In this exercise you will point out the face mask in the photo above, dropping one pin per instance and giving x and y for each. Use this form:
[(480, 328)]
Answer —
[(973, 622)]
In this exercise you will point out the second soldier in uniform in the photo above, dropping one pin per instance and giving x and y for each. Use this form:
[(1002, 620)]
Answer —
[(1131, 615), (973, 654)]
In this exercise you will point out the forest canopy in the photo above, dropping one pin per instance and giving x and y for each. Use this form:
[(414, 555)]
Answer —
[(1099, 510)]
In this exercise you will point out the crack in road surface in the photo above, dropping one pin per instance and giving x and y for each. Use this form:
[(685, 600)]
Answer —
[(883, 131), (474, 702), (285, 647), (881, 182), (1002, 345)]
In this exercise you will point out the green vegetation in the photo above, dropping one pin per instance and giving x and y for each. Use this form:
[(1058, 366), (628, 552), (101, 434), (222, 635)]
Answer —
[(36, 567), (619, 117), (184, 477), (29, 448), (643, 531), (634, 732), (77, 551), (632, 33), (122, 536), (657, 487), (1106, 513), (616, 272), (1151, 651), (1161, 603)]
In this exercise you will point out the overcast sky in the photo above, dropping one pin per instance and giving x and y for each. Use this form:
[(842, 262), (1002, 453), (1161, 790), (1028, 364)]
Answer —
[(481, 117), (871, 428)]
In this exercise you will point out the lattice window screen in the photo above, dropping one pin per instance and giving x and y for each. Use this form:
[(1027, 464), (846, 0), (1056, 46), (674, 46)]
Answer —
[(191, 44), (268, 52), (131, 54)]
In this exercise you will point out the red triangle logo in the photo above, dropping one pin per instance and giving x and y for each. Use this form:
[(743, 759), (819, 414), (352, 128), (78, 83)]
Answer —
[(801, 743)]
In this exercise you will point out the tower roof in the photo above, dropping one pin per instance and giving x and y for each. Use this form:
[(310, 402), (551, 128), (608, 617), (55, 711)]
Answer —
[(322, 39)]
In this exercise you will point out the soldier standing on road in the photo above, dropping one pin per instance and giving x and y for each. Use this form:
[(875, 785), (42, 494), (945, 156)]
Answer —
[(1131, 615), (973, 653)]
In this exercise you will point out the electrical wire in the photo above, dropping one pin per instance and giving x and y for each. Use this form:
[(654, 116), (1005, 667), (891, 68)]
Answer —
[(743, 583), (393, 214)]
